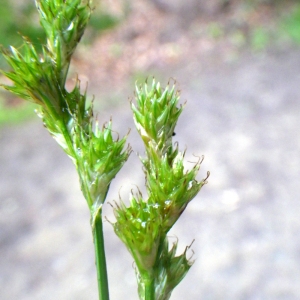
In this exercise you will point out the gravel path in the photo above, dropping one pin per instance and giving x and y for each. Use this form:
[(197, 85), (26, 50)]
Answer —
[(244, 116)]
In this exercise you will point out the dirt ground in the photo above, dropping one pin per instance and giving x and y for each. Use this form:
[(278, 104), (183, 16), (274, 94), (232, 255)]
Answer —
[(242, 113)]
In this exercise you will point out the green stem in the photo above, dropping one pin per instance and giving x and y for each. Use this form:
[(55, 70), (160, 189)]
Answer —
[(149, 287), (100, 257)]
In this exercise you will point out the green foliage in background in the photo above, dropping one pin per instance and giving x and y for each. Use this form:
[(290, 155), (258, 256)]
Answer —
[(260, 39), (17, 20), (290, 25), (286, 27), (15, 114)]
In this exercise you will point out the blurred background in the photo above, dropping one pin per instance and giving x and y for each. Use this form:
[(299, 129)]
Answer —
[(237, 64)]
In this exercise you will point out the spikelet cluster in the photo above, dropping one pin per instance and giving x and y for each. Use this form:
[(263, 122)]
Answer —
[(41, 78), (143, 226)]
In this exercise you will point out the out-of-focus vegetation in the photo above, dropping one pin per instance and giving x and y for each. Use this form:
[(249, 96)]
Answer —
[(11, 113), (259, 24), (18, 21), (283, 29), (247, 24), (254, 25), (290, 24)]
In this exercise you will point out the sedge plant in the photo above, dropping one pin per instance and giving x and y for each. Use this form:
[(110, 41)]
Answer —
[(98, 156), (143, 225)]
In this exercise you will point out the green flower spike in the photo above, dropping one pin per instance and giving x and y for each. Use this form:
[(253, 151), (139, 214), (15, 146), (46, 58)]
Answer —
[(171, 187), (100, 158), (41, 79), (156, 116), (143, 226), (171, 269), (139, 227), (64, 22)]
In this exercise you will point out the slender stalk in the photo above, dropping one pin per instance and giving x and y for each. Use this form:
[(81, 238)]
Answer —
[(149, 287), (100, 258)]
